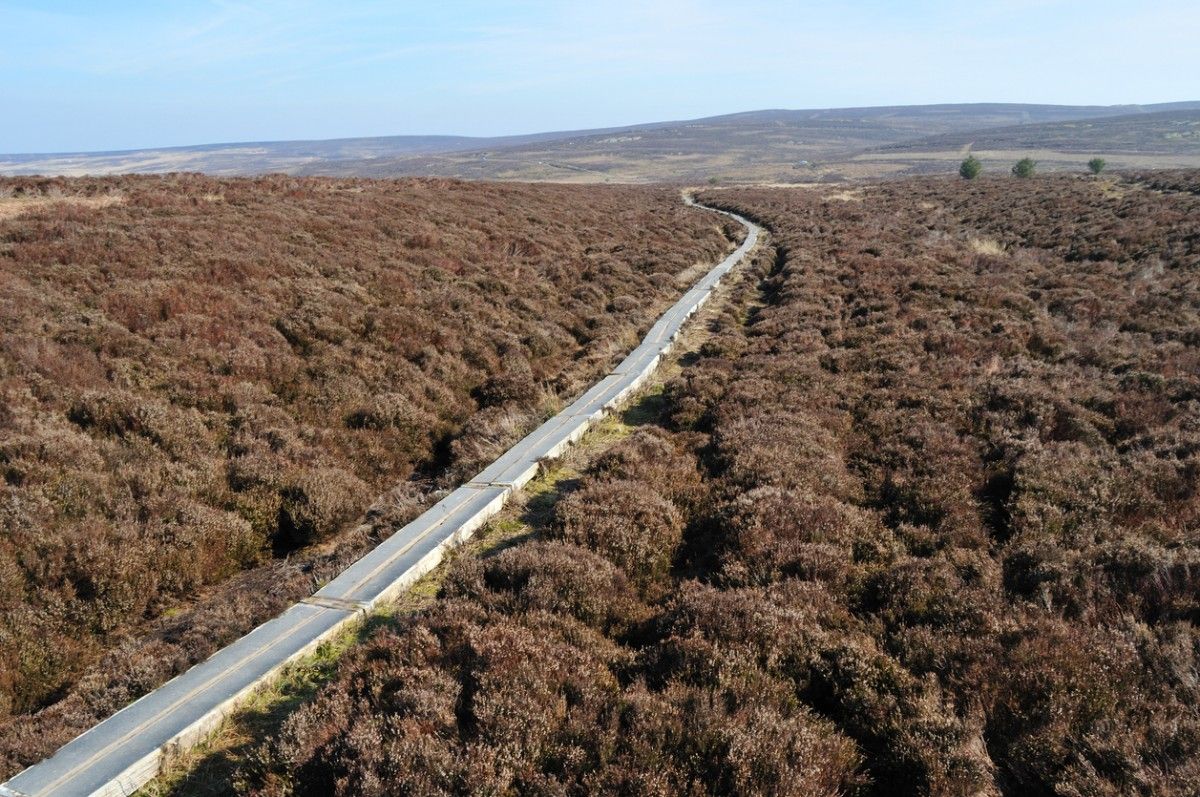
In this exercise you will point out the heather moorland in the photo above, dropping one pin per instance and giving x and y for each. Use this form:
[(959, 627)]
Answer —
[(920, 517), (207, 382)]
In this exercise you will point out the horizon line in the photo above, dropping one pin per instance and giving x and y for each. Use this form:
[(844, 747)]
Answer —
[(576, 131)]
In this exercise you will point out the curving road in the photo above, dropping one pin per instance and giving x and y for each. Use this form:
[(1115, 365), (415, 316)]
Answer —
[(125, 751)]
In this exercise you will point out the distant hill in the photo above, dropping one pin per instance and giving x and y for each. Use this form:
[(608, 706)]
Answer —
[(1168, 132), (768, 145), (248, 158), (1162, 139)]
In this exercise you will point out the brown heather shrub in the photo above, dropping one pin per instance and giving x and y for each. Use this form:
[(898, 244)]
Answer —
[(1187, 180), (626, 522), (173, 643), (1021, 424), (514, 383), (1063, 694), (485, 436), (689, 740), (317, 503), (768, 534), (797, 633), (551, 577), (707, 634), (942, 542), (655, 458), (461, 700), (190, 387)]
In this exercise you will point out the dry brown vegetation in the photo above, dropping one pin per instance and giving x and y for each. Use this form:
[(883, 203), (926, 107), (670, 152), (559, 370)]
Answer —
[(931, 512), (205, 378), (1186, 180)]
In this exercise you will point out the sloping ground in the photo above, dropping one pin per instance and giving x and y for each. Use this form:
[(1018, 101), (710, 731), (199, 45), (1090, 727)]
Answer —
[(252, 157), (1172, 132), (768, 146), (756, 145), (1185, 180), (925, 522), (205, 382), (1145, 141)]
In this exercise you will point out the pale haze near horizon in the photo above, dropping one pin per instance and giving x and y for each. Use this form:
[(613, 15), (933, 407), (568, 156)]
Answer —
[(83, 76)]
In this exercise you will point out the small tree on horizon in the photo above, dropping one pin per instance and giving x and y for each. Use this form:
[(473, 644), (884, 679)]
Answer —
[(970, 168), (1025, 167), (1096, 165)]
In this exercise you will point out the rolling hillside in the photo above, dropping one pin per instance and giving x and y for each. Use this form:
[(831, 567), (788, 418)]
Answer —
[(769, 145), (1138, 141), (250, 158)]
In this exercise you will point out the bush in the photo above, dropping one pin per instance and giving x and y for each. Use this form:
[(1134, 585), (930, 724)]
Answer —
[(317, 503), (626, 522), (392, 412), (970, 168), (1024, 167), (653, 457), (463, 701), (551, 577), (734, 742), (1023, 466), (1060, 687), (514, 383), (1096, 165), (769, 534)]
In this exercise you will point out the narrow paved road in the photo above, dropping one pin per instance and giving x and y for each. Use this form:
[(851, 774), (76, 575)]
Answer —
[(125, 751)]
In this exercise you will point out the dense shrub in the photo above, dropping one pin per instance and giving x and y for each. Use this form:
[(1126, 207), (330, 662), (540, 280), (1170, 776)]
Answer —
[(462, 700), (1024, 167), (626, 522), (942, 543), (552, 577), (1003, 361), (768, 534), (1187, 180), (200, 376), (175, 641), (656, 458), (318, 503)]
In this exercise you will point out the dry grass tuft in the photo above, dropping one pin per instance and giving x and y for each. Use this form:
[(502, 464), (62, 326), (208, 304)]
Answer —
[(985, 246)]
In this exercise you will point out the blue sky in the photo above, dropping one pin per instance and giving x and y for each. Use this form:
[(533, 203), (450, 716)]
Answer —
[(134, 73)]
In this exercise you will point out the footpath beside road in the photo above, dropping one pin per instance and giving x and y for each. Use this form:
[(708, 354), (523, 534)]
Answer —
[(125, 751)]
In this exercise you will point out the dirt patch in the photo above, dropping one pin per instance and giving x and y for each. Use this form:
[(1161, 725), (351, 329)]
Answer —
[(13, 207), (849, 195)]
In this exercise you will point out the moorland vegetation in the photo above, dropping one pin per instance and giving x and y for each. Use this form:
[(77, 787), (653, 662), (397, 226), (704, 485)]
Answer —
[(920, 518), (205, 382)]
